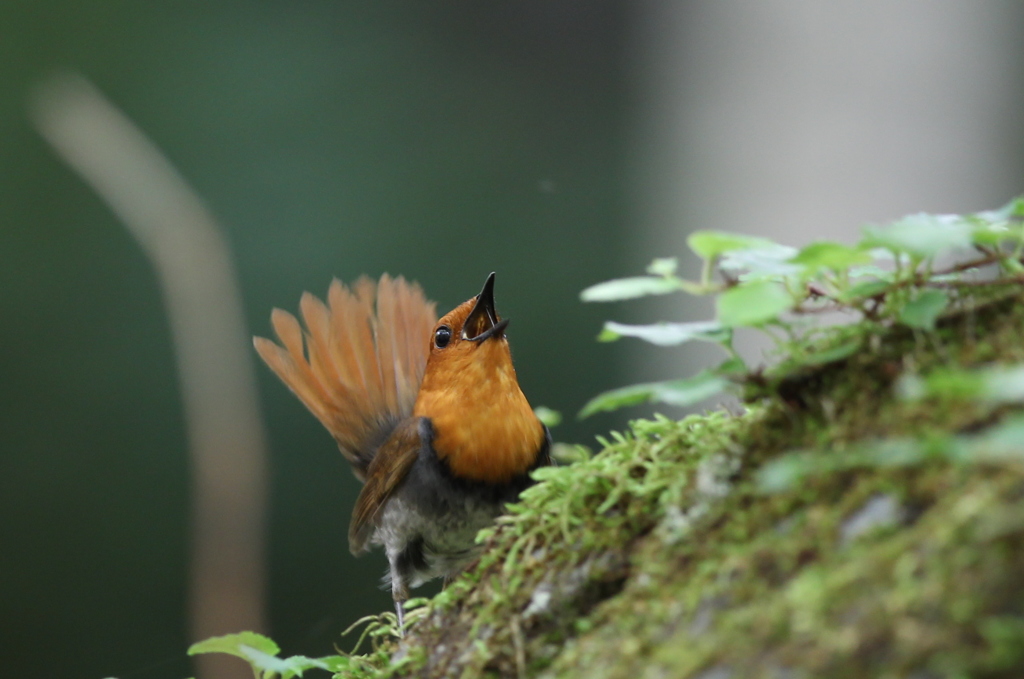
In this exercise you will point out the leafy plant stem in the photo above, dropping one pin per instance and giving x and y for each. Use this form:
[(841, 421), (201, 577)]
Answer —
[(733, 354), (705, 272), (977, 284), (990, 258), (777, 339), (888, 278)]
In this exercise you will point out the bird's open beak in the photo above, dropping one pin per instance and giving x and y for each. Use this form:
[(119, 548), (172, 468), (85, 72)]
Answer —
[(483, 321)]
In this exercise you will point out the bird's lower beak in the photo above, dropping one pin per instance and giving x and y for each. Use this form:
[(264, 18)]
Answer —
[(483, 321)]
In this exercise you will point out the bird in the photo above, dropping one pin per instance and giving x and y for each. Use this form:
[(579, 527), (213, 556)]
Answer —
[(429, 413)]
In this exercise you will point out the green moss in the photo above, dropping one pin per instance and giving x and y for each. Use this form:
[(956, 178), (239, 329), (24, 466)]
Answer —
[(663, 555)]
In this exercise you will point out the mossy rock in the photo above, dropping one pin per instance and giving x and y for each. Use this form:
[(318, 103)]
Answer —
[(663, 555)]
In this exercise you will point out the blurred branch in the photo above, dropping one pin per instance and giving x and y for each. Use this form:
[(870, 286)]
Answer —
[(194, 268)]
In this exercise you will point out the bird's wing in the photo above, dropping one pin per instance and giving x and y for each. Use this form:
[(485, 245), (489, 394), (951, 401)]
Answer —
[(387, 470), (365, 352)]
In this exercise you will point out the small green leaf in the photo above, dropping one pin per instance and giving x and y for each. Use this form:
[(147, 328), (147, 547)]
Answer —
[(1011, 211), (997, 384), (568, 453), (828, 255), (835, 353), (1004, 384), (674, 392), (995, 234), (667, 334), (790, 470), (617, 398), (629, 288), (337, 663), (873, 270), (1001, 442), (920, 235), (686, 392), (989, 234), (781, 474), (924, 310), (232, 644), (711, 244), (286, 668), (946, 383), (731, 366), (752, 303), (550, 418), (771, 262), (1015, 208), (865, 290), (663, 266), (993, 228)]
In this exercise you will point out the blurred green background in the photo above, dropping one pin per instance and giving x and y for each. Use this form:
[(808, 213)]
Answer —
[(330, 139), (557, 142)]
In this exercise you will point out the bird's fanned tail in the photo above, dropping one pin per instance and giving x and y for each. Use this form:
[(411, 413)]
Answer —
[(359, 364)]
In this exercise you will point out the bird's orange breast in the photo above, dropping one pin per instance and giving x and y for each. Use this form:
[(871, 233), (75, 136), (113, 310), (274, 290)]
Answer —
[(483, 425)]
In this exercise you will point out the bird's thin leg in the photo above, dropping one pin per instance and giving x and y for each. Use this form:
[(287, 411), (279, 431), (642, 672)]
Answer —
[(399, 592), (400, 612)]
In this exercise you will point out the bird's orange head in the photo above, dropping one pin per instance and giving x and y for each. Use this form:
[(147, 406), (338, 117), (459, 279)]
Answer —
[(483, 425)]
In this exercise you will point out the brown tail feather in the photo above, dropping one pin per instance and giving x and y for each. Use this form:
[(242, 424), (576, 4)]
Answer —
[(365, 352)]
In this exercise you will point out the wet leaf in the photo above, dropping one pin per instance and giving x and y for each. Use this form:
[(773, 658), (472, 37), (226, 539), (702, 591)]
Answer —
[(285, 668), (711, 244), (864, 290), (674, 392), (1005, 441), (835, 353), (667, 334), (764, 263), (924, 309), (663, 266), (998, 384), (829, 255), (628, 288), (232, 643), (921, 235), (550, 418), (752, 303)]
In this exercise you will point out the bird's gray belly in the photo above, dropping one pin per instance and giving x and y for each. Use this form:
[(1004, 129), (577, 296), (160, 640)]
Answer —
[(446, 538), (429, 525)]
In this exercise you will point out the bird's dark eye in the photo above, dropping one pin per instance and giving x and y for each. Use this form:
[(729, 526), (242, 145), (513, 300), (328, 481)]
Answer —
[(442, 336)]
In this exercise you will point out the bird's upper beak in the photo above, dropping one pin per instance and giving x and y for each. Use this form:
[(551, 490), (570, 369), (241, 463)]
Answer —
[(483, 321)]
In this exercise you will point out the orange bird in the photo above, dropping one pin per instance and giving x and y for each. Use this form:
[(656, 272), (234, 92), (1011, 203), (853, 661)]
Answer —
[(428, 412)]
